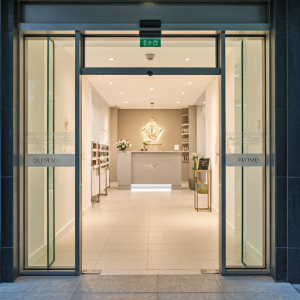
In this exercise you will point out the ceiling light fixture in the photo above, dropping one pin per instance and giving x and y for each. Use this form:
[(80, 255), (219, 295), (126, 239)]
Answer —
[(111, 58), (190, 83), (151, 89), (182, 93), (111, 83), (187, 58), (151, 131), (177, 102), (125, 102), (121, 93)]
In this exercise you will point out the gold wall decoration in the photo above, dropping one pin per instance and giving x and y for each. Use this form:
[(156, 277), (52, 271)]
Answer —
[(152, 132)]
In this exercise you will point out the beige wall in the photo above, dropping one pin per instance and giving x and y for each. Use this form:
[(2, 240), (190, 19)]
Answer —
[(192, 136), (131, 122), (113, 139)]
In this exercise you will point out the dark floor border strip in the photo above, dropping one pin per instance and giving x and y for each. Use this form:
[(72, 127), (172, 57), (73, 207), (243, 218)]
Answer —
[(47, 273)]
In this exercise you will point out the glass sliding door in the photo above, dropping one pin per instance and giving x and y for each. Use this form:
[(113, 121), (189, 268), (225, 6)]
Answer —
[(245, 153), (50, 150), (49, 153)]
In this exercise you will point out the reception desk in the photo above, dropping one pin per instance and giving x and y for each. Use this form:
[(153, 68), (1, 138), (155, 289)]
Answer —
[(153, 169)]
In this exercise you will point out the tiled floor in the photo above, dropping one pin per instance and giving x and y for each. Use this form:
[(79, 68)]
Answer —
[(145, 233), (149, 233), (148, 287)]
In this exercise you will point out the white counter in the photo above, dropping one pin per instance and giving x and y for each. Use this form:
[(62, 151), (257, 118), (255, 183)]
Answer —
[(149, 168)]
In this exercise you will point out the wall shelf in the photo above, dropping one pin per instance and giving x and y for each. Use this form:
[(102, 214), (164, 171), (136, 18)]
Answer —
[(100, 170), (185, 136)]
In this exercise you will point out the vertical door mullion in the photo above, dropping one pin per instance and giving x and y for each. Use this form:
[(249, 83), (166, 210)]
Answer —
[(222, 162), (78, 205)]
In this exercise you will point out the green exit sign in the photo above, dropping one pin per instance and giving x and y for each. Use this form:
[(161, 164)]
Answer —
[(150, 42)]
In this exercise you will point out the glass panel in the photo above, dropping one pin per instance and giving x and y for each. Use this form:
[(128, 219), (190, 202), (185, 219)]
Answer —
[(49, 129), (245, 135), (50, 150), (126, 52)]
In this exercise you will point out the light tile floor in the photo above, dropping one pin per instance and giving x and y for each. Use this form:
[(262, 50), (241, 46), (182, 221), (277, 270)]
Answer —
[(148, 287), (148, 233), (144, 233)]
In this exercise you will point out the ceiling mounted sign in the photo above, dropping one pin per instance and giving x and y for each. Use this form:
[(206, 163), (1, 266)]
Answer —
[(150, 42), (150, 39)]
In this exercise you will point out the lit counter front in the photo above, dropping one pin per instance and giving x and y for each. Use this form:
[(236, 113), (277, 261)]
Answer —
[(149, 170)]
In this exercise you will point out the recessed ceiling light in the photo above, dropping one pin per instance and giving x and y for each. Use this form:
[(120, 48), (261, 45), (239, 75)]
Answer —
[(151, 89), (111, 83), (111, 58), (190, 83), (177, 102), (187, 58), (182, 93), (125, 102), (121, 93)]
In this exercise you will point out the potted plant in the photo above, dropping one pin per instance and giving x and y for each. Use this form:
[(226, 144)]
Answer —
[(122, 145), (144, 145), (195, 156)]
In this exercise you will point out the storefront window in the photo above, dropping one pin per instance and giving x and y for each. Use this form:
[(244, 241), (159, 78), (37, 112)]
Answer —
[(49, 137), (245, 142)]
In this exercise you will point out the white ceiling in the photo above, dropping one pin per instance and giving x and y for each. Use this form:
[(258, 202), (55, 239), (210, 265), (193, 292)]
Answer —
[(136, 90), (128, 53)]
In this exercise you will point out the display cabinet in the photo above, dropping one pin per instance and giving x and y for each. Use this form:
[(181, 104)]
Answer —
[(100, 169)]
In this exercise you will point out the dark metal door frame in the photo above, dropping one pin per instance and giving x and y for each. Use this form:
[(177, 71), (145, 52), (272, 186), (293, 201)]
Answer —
[(81, 70)]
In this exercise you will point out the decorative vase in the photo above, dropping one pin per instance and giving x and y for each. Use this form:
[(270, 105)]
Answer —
[(122, 149), (195, 165)]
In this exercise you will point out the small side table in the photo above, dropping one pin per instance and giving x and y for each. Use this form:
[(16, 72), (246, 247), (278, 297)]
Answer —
[(202, 187)]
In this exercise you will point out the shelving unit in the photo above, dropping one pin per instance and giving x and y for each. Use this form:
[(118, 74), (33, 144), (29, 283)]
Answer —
[(100, 169), (185, 134)]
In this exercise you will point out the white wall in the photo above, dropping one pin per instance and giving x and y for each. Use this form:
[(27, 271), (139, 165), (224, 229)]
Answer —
[(201, 130), (86, 143), (100, 118), (212, 137), (100, 132)]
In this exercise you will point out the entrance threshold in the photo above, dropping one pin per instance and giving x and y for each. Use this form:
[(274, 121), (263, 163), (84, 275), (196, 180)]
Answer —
[(151, 187)]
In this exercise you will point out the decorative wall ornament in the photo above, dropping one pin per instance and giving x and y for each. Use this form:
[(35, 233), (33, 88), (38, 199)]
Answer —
[(150, 166), (152, 132)]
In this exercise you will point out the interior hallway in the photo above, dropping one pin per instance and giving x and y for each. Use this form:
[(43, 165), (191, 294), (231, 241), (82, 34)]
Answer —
[(153, 232)]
